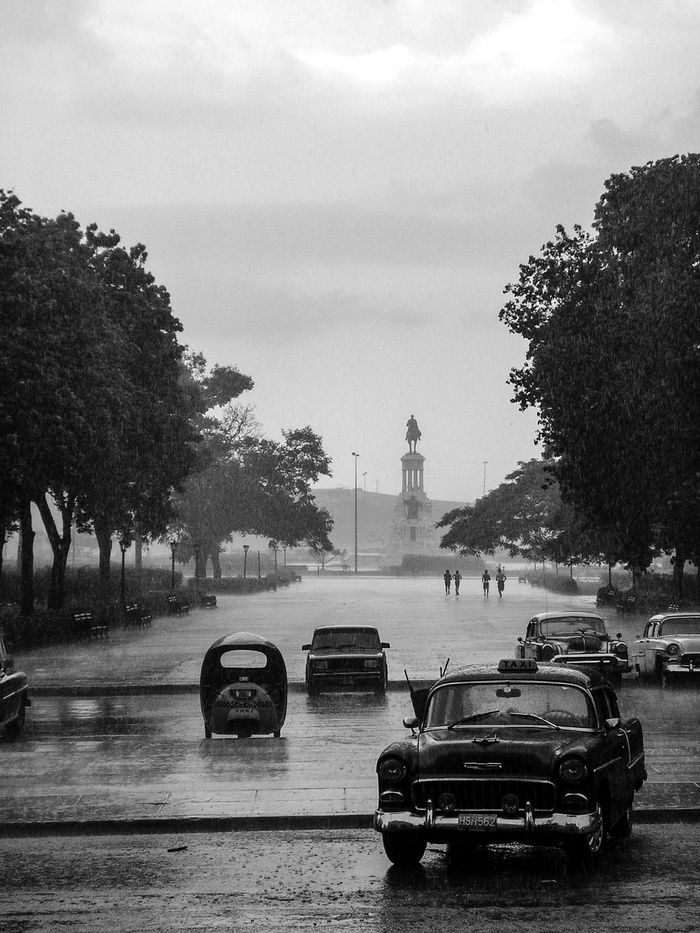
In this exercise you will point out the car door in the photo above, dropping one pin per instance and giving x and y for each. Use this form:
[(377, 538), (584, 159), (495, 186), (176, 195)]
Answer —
[(644, 655), (529, 648), (617, 751)]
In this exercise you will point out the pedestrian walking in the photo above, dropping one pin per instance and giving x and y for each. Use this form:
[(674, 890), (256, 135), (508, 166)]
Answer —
[(500, 581), (458, 579), (447, 577), (485, 581)]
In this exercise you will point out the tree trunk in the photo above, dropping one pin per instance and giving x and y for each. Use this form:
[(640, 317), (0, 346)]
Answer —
[(26, 559), (3, 542), (216, 564), (60, 546), (678, 568), (104, 543)]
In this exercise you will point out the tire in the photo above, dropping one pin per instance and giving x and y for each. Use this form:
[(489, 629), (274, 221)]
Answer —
[(207, 732), (623, 828), (381, 688), (312, 688), (15, 726), (587, 849), (404, 849)]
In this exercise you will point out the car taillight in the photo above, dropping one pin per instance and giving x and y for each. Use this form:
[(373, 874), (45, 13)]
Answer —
[(392, 770)]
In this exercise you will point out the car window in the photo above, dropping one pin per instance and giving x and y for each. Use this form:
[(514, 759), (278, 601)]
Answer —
[(512, 704), (237, 657), (359, 639), (680, 627), (572, 624)]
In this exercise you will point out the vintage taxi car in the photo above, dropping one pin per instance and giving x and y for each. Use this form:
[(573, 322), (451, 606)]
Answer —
[(579, 638), (515, 752), (669, 647), (14, 698), (346, 656)]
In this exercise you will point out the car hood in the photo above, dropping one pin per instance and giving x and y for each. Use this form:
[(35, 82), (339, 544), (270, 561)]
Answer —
[(335, 653), (689, 643), (501, 752), (579, 643)]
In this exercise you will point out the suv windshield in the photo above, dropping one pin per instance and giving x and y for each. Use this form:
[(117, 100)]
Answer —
[(366, 639), (517, 703)]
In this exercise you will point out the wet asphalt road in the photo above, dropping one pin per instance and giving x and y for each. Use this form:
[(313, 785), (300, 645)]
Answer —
[(341, 881), (99, 746)]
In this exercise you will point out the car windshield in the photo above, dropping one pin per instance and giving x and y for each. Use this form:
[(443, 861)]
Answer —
[(680, 627), (568, 625), (365, 639), (518, 703)]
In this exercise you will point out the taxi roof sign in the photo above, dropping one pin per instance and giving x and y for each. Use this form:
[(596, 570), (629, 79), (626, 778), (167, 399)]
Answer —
[(517, 665)]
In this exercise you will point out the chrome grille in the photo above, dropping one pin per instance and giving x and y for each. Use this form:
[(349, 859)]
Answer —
[(485, 795)]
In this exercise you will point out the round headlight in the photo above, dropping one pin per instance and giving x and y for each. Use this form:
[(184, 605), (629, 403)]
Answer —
[(321, 665), (371, 662), (548, 652), (620, 649), (572, 769), (510, 803), (392, 770), (673, 649)]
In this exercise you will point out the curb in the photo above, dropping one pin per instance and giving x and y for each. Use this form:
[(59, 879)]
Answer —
[(233, 824)]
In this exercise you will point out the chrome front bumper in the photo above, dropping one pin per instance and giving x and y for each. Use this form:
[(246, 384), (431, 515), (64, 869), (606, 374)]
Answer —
[(673, 667), (439, 825)]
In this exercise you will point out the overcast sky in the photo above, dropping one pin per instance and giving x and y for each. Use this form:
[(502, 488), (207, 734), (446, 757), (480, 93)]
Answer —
[(336, 192)]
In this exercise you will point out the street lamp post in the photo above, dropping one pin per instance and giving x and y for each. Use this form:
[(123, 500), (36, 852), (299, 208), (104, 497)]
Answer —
[(245, 559), (355, 461), (275, 548), (258, 565), (485, 462), (123, 547), (364, 481)]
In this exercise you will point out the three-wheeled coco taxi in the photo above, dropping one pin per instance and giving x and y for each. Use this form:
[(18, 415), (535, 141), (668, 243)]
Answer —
[(243, 687)]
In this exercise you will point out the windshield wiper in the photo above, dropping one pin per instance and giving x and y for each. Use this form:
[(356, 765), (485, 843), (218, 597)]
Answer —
[(536, 717), (475, 717)]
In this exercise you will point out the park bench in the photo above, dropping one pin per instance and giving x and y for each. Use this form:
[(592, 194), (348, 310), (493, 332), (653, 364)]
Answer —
[(207, 601), (85, 626), (135, 615), (626, 603), (178, 606)]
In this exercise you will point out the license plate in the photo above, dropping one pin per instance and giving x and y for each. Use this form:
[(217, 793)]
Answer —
[(476, 821)]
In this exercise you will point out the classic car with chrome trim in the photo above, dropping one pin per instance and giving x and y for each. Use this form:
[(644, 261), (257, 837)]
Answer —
[(346, 657), (669, 647), (575, 637), (515, 752), (14, 698)]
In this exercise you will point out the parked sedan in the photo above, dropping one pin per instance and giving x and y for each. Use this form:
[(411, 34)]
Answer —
[(575, 637), (669, 647), (13, 692), (514, 752), (346, 656)]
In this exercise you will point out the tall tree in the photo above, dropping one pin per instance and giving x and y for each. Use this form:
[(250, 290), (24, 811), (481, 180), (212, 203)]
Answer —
[(613, 363)]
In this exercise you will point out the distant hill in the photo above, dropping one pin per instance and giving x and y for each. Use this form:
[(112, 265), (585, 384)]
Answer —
[(376, 513)]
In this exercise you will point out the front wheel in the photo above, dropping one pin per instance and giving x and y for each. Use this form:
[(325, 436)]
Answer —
[(15, 727), (623, 828), (404, 849), (587, 848)]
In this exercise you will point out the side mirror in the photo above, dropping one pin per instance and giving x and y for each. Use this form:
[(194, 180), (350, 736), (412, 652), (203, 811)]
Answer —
[(619, 636), (385, 644), (613, 723), (411, 722), (306, 647), (520, 641)]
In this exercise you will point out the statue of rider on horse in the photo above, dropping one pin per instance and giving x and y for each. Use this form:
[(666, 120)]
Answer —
[(413, 434)]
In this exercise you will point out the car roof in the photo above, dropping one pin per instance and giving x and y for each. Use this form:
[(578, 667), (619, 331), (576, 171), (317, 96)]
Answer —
[(663, 616), (549, 673), (345, 628), (564, 613)]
